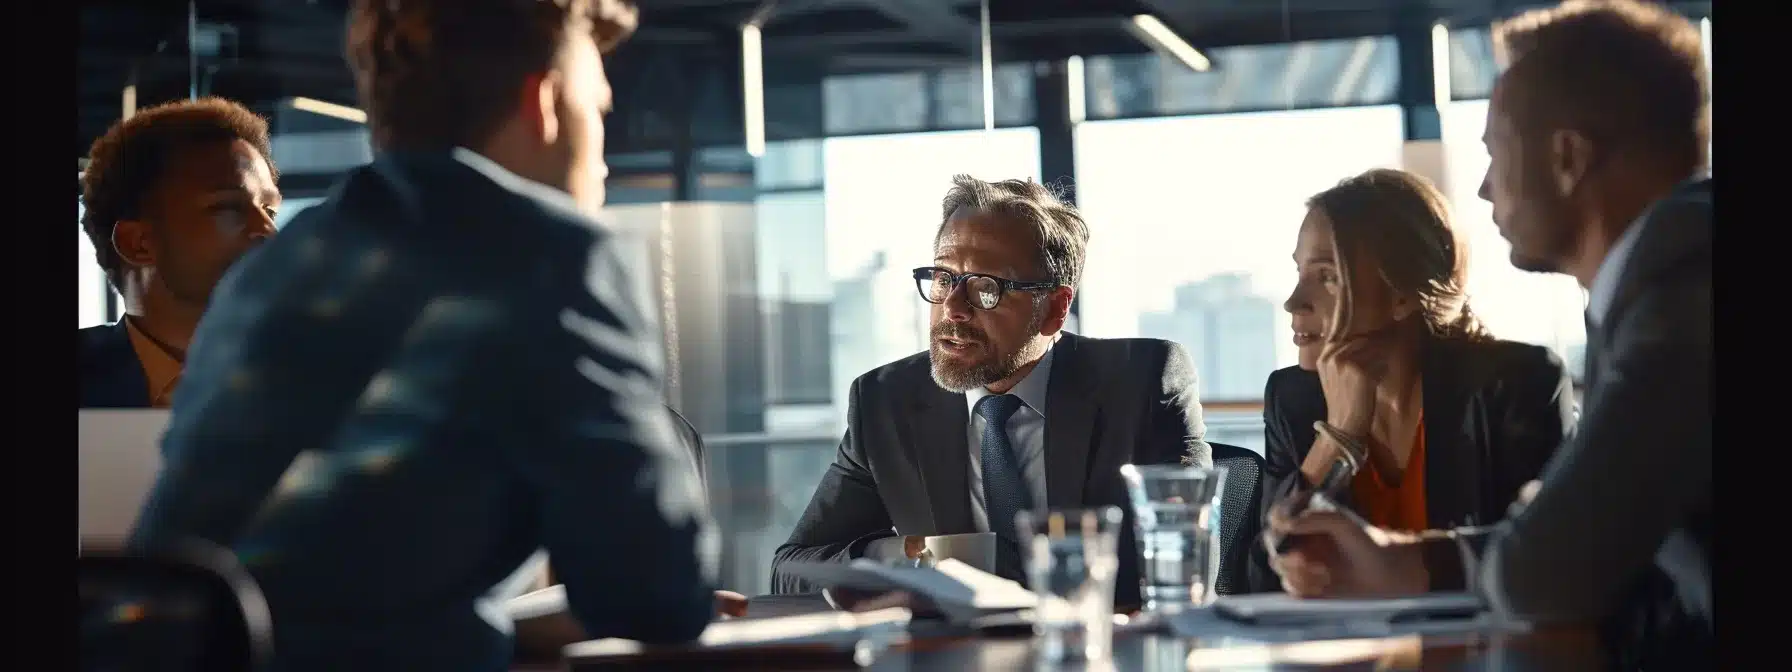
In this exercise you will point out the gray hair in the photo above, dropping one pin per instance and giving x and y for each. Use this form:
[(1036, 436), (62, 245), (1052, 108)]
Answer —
[(1059, 229)]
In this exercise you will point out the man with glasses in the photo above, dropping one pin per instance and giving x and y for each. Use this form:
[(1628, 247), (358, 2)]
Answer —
[(1002, 411)]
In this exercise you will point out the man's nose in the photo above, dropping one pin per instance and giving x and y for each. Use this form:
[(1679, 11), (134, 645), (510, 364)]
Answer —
[(261, 228), (958, 304)]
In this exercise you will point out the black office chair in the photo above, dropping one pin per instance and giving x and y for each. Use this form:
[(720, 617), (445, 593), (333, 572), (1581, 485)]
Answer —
[(192, 608), (692, 441), (1240, 526)]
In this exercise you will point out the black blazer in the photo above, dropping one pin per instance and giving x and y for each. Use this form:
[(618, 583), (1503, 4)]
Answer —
[(903, 465), (110, 374), (1495, 411)]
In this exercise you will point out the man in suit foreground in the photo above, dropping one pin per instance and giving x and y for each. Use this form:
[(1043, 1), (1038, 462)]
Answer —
[(443, 367), (1005, 411), (1597, 133), (171, 198)]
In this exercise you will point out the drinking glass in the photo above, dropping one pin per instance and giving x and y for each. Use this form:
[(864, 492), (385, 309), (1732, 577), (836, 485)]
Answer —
[(1072, 556), (1176, 513)]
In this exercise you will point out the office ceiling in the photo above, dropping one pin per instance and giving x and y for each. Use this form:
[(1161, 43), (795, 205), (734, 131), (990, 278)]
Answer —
[(263, 51)]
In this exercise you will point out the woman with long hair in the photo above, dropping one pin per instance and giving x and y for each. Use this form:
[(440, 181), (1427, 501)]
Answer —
[(1461, 420)]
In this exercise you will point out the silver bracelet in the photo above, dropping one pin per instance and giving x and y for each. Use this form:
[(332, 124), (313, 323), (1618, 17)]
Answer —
[(1354, 450)]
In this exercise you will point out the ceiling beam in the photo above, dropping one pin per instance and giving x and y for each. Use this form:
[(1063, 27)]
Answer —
[(932, 20)]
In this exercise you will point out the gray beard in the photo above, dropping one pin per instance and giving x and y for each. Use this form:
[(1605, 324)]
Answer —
[(982, 374)]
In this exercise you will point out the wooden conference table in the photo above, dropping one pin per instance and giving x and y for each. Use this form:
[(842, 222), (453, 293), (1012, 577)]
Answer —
[(1554, 649)]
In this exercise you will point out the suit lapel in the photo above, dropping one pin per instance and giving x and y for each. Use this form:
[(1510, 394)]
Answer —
[(1069, 424), (1450, 460), (940, 423), (118, 380)]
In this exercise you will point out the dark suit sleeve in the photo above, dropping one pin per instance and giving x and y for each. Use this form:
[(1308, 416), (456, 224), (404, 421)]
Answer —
[(622, 513), (253, 397), (1176, 422), (1633, 471), (845, 515), (1284, 446)]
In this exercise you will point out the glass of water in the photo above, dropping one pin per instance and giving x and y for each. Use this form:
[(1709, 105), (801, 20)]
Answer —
[(1072, 556), (1176, 512)]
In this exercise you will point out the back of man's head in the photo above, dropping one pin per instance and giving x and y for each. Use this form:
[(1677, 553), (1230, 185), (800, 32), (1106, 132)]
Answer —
[(435, 74), (1626, 73)]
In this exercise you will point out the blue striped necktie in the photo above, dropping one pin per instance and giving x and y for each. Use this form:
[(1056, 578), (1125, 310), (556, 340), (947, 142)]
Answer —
[(1004, 491)]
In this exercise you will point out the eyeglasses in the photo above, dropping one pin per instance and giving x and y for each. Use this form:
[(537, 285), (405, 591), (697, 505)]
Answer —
[(984, 291)]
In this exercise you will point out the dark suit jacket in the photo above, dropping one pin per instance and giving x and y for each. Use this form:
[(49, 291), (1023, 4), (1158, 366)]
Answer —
[(1494, 413), (1628, 498), (905, 462), (111, 376), (421, 381)]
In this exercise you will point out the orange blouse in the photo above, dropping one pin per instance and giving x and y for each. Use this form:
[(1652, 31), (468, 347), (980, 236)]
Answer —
[(1401, 508)]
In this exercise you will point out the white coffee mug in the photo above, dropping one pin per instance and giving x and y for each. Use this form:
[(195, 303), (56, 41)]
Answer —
[(977, 549)]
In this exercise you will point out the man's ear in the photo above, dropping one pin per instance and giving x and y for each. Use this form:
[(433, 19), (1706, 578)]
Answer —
[(131, 240), (1570, 159), (1057, 310), (537, 104)]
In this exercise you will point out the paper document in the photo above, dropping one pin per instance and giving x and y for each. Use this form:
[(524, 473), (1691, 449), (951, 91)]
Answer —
[(1278, 608), (842, 628), (961, 592)]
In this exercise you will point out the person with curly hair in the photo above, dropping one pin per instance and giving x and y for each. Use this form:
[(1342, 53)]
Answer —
[(172, 197)]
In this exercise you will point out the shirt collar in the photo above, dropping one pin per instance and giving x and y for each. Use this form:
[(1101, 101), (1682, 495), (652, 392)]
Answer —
[(1605, 281), (1030, 389), (160, 368)]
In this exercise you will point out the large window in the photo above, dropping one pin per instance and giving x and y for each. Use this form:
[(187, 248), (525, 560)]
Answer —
[(1193, 221), (90, 286)]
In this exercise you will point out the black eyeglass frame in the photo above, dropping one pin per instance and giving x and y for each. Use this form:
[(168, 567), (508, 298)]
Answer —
[(925, 274)]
